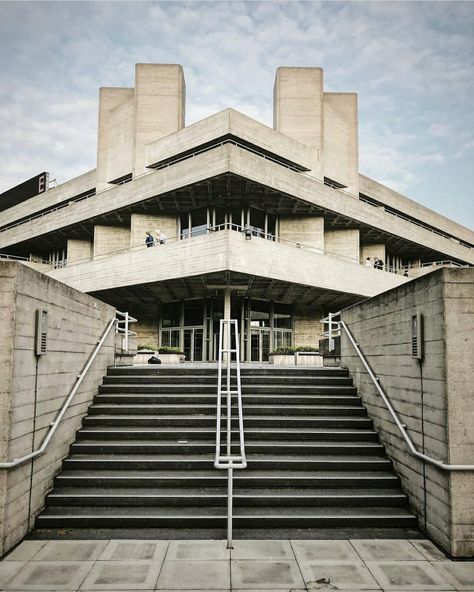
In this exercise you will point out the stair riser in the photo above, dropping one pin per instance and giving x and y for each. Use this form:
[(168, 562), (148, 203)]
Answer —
[(334, 400), (221, 481), (210, 449), (212, 380), (213, 522), (340, 436), (184, 464), (153, 389), (307, 422), (192, 411), (212, 371), (221, 500)]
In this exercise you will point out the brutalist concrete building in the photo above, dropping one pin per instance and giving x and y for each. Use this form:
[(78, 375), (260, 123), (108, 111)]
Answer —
[(275, 227)]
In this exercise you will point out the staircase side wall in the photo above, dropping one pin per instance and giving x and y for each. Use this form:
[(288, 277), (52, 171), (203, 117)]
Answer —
[(429, 397), (75, 322)]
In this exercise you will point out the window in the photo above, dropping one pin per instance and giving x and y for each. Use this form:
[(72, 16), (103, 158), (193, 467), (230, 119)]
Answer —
[(198, 221), (282, 316), (171, 314), (193, 313)]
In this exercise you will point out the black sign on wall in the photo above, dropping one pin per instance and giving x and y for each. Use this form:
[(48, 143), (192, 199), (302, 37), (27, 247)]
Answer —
[(24, 191)]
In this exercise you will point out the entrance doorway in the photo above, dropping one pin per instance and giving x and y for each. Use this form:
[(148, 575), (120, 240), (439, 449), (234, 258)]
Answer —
[(259, 345), (193, 344)]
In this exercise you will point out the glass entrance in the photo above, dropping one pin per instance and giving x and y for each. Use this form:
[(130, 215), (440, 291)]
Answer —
[(193, 344), (259, 345)]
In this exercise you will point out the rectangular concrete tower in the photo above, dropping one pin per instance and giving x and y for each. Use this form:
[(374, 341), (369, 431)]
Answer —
[(130, 118), (160, 94), (298, 108), (341, 142)]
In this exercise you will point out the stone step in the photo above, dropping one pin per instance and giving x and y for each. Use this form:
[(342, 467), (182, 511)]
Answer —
[(316, 462), (199, 410), (216, 516), (203, 433), (209, 496), (154, 447), (214, 478)]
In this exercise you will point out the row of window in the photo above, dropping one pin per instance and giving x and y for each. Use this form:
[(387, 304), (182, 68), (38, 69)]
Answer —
[(198, 221)]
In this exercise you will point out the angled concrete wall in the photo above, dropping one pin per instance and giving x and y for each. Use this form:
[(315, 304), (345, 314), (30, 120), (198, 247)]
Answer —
[(434, 399), (307, 230), (33, 388)]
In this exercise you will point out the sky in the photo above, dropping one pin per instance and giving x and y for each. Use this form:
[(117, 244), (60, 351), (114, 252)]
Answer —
[(411, 63)]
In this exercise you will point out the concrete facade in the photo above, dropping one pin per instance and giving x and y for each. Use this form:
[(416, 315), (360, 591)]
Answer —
[(433, 398), (33, 388), (295, 186)]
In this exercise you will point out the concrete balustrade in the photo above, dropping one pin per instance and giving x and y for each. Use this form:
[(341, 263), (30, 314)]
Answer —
[(432, 397), (33, 388)]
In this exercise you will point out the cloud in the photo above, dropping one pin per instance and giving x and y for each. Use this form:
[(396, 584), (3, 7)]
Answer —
[(412, 64)]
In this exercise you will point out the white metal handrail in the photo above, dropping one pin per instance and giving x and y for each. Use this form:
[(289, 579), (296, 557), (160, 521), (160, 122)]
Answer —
[(124, 330), (402, 427), (227, 460), (54, 424)]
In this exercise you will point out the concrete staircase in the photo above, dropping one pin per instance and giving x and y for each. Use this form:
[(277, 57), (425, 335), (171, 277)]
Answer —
[(144, 456)]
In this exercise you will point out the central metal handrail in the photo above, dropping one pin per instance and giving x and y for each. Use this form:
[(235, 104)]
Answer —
[(227, 460), (333, 332)]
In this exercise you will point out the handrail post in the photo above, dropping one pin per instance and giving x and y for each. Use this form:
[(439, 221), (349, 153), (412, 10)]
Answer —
[(228, 460), (331, 338), (126, 332)]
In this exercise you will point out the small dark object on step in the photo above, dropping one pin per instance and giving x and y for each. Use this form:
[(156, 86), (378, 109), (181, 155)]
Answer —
[(154, 360)]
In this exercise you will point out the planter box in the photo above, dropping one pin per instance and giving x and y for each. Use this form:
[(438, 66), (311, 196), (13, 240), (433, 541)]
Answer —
[(308, 359), (296, 359), (282, 359), (143, 355), (172, 358)]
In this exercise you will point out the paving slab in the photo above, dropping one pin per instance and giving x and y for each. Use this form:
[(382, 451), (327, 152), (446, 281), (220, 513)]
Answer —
[(50, 576), (324, 551), (71, 551), (8, 569), (134, 550), (459, 573), (265, 575), (25, 551), (429, 550), (266, 550), (386, 550), (408, 575), (194, 575), (122, 575), (331, 575), (198, 550)]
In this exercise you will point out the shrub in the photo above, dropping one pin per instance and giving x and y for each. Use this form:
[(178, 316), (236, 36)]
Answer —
[(165, 349), (290, 350), (146, 346)]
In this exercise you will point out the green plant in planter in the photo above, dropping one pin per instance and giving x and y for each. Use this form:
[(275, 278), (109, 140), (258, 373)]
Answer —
[(291, 350), (165, 349), (149, 346)]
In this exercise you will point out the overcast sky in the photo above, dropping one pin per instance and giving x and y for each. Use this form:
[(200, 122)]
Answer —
[(411, 64)]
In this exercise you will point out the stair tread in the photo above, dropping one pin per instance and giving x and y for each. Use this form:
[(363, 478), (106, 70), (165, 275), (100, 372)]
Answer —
[(221, 474), (200, 429), (168, 511), (267, 443), (222, 492), (261, 457)]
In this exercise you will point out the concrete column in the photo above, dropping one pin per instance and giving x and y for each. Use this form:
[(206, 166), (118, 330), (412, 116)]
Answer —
[(78, 250), (307, 230), (108, 239), (342, 242)]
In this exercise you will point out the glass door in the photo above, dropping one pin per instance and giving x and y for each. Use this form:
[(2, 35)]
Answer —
[(193, 344), (259, 345)]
